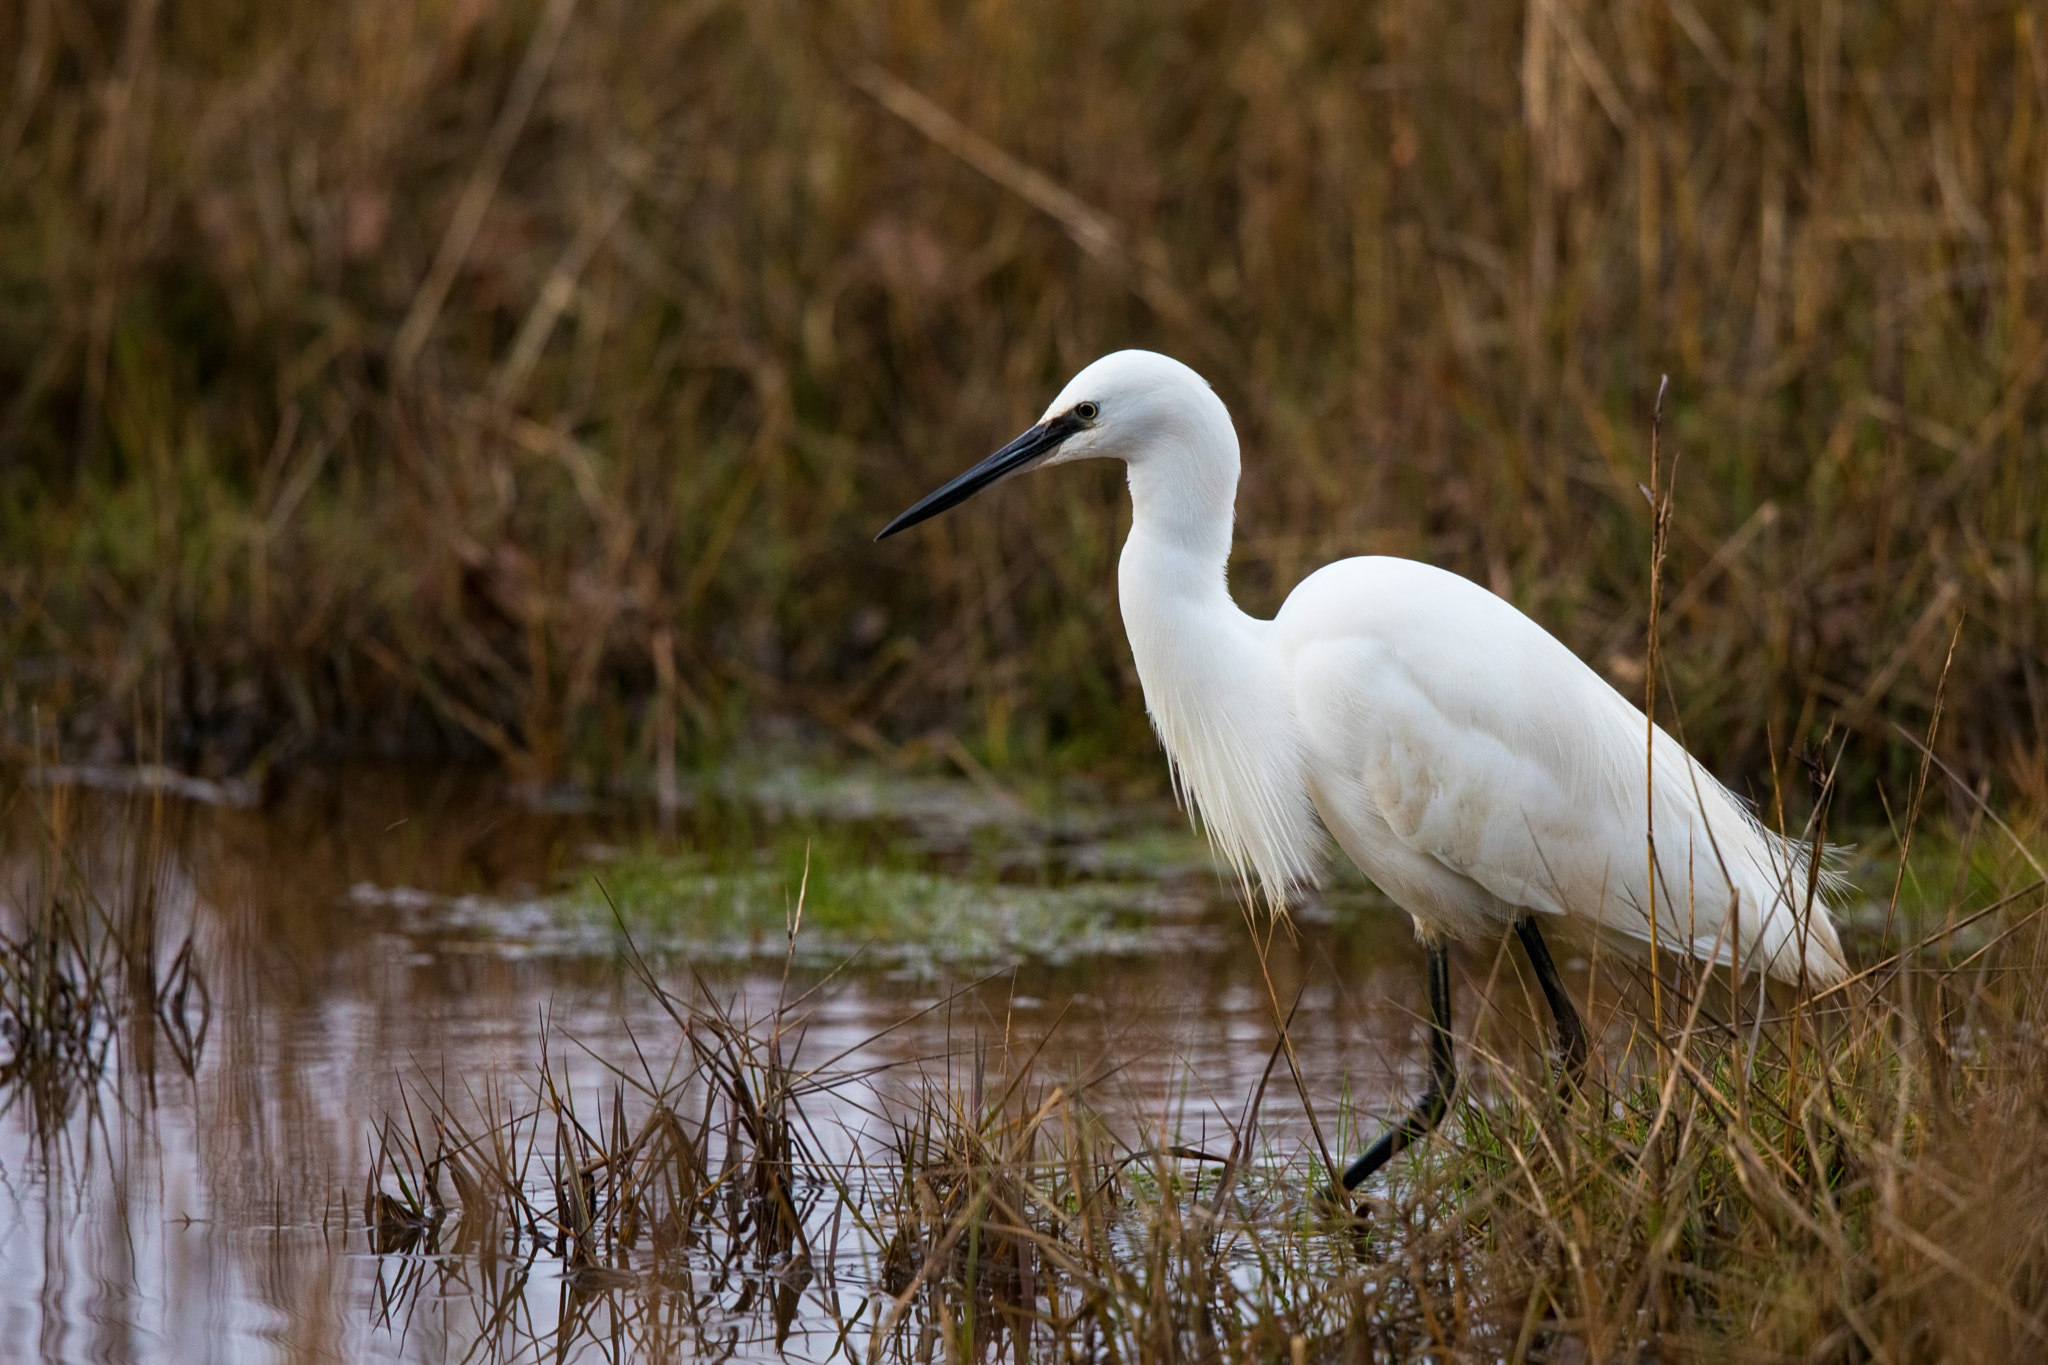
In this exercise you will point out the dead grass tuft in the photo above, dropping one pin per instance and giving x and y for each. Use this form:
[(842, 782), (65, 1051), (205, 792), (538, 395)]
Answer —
[(1854, 1177), (91, 972)]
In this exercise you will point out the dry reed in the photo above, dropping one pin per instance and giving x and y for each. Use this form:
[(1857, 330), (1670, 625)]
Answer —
[(1854, 1177), (528, 378), (91, 972), (1857, 1176)]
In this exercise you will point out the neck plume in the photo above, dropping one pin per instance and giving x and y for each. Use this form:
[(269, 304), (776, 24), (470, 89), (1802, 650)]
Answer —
[(1216, 688)]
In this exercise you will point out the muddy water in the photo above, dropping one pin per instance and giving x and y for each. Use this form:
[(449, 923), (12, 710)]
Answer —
[(193, 1186)]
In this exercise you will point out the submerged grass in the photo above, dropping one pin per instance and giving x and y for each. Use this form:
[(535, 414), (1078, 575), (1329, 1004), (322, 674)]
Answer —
[(902, 911), (528, 376), (917, 920), (908, 873), (93, 964)]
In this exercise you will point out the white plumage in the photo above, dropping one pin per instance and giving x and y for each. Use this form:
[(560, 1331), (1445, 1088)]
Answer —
[(1470, 765), (1476, 770)]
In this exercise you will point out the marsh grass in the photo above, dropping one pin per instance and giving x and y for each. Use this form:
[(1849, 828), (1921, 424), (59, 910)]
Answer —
[(1861, 1175), (1854, 1177), (93, 967), (528, 378)]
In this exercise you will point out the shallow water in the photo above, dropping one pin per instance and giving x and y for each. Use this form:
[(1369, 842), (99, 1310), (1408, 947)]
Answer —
[(371, 936)]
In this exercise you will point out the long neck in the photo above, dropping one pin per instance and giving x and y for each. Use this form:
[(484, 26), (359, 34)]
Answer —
[(1180, 516), (1187, 636), (1214, 685), (1183, 494)]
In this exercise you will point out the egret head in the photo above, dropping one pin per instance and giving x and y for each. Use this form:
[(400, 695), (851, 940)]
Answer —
[(1127, 406)]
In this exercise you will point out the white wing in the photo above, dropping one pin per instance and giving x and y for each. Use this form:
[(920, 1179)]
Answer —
[(1477, 770)]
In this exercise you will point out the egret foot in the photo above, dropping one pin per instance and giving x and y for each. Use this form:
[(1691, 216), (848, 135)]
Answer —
[(1443, 1077)]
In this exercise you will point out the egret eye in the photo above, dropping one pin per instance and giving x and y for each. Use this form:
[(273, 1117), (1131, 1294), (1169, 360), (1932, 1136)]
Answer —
[(1088, 412)]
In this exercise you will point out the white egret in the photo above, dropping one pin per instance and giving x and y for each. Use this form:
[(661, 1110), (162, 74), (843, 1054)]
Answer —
[(1472, 766)]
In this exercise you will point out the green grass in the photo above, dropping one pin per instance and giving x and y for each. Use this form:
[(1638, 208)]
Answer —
[(896, 913)]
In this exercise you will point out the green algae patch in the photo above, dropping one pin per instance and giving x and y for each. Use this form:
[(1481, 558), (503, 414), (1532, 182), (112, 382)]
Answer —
[(919, 873), (892, 914)]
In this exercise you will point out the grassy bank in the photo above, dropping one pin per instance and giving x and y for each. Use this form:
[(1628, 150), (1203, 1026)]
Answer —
[(529, 377)]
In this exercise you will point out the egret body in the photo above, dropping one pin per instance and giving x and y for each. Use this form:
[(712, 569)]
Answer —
[(1473, 767)]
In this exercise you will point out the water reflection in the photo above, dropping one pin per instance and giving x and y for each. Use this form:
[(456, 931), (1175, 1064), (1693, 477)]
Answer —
[(188, 1181)]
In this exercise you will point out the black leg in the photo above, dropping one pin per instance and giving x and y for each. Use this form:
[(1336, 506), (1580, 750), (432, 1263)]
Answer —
[(1571, 1033), (1443, 1076)]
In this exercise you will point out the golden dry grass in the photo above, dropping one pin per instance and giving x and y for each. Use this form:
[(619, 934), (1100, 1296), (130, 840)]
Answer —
[(530, 376), (1864, 1177)]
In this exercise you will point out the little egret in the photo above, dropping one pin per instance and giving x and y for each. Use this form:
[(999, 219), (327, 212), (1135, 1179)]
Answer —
[(1474, 768)]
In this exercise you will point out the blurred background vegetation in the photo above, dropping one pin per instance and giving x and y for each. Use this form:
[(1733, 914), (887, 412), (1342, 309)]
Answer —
[(528, 376)]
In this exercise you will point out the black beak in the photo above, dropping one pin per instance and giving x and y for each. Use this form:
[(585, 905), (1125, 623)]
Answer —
[(1026, 450)]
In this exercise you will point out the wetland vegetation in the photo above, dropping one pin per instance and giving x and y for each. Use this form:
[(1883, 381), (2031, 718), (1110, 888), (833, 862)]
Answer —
[(494, 864), (461, 1117), (526, 378)]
